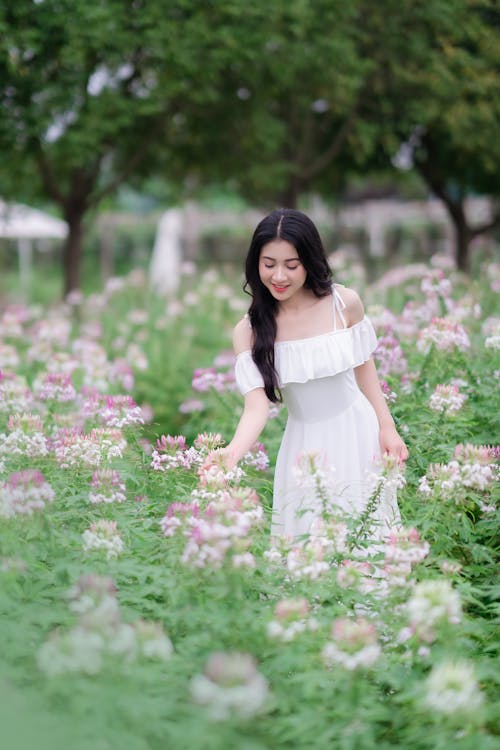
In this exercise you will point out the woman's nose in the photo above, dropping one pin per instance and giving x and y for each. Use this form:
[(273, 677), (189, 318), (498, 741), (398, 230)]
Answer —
[(279, 273)]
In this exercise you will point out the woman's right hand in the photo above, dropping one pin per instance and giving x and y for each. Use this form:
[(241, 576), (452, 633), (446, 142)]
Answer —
[(220, 457)]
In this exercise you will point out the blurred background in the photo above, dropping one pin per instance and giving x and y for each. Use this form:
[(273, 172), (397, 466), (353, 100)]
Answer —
[(151, 133)]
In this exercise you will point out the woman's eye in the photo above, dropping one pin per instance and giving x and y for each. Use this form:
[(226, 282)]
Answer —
[(288, 268)]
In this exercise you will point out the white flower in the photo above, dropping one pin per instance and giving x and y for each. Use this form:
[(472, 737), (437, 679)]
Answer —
[(273, 555), (9, 358), (306, 561), (493, 342), (231, 686), (103, 535), (152, 640), (452, 689), (447, 399), (446, 335), (314, 475), (287, 632), (78, 650), (365, 657), (19, 443), (431, 603), (245, 560), (121, 641), (354, 644), (24, 492)]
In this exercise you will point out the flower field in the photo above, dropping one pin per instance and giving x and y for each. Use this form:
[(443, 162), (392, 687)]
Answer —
[(143, 603)]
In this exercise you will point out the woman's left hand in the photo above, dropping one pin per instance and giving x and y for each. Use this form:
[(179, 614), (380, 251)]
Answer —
[(392, 443)]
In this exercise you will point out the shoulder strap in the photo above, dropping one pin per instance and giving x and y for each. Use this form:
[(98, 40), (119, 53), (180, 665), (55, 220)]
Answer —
[(338, 306)]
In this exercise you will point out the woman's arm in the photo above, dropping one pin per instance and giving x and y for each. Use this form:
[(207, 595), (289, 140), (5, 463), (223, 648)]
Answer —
[(255, 411), (251, 424), (389, 438), (367, 379)]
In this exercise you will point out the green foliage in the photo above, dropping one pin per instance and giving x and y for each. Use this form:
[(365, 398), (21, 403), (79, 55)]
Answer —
[(273, 101), (147, 705)]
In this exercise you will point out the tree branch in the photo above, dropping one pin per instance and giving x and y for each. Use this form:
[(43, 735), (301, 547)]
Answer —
[(488, 225), (334, 148), (438, 187), (133, 162), (455, 207), (46, 174)]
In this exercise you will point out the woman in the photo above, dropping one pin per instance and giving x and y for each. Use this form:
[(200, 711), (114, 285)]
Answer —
[(308, 341)]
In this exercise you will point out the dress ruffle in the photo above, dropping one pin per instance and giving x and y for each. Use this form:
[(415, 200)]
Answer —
[(301, 360)]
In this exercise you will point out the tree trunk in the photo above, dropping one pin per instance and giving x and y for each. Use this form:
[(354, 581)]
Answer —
[(463, 236), (72, 252), (456, 211), (463, 232), (291, 194), (106, 251)]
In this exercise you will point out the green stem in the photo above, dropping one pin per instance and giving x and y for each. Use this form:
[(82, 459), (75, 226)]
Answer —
[(365, 516)]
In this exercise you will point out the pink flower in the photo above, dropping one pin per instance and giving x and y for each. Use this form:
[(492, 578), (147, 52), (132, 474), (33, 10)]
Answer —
[(356, 575), (389, 394), (447, 399), (24, 492), (435, 284), (171, 443), (103, 535), (445, 334), (191, 405), (120, 411), (178, 516), (26, 436), (121, 372), (224, 359), (354, 644), (72, 447), (206, 378), (389, 356), (208, 441), (307, 561), (432, 603), (231, 686), (15, 396), (107, 487), (290, 609), (54, 387), (405, 546), (483, 454), (256, 458)]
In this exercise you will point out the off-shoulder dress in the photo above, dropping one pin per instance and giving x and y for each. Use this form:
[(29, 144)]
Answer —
[(328, 417)]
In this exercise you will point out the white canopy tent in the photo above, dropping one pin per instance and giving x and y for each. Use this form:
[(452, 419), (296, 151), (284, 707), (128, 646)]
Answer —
[(26, 225)]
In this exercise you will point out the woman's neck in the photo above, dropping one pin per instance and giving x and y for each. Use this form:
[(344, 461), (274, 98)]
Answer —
[(301, 301)]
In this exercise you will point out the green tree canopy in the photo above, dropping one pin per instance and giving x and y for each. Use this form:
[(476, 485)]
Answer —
[(92, 92), (277, 98), (448, 112)]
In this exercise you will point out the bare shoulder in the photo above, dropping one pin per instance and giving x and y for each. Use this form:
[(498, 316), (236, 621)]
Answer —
[(242, 336), (354, 309)]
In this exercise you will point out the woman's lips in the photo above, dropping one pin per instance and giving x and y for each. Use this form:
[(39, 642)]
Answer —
[(279, 288)]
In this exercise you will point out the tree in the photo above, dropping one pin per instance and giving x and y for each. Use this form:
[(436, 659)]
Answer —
[(448, 112), (336, 88), (92, 92), (289, 104), (278, 99)]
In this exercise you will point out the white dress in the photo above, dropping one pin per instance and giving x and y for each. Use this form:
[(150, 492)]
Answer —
[(330, 418)]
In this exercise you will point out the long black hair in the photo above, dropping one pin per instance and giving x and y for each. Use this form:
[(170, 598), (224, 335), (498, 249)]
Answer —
[(297, 229)]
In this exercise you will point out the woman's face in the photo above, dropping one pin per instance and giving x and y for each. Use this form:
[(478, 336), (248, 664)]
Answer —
[(281, 270)]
